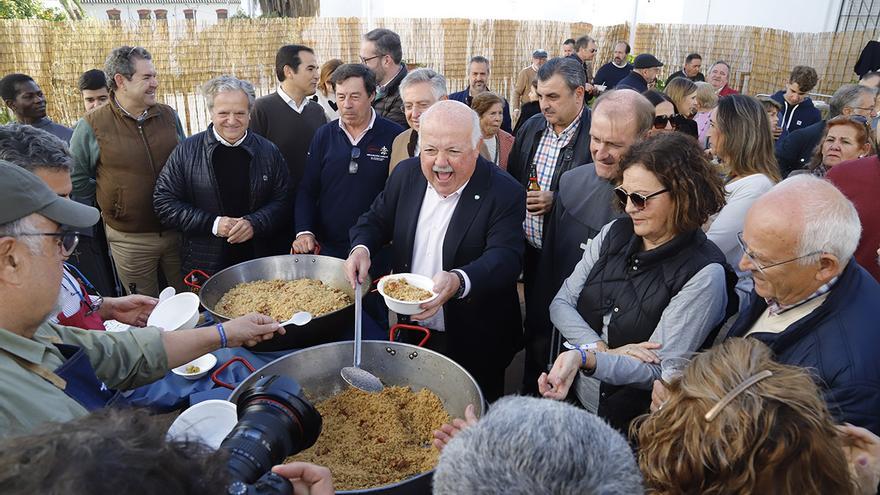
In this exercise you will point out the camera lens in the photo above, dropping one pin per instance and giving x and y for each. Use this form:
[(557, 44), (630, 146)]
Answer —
[(274, 422)]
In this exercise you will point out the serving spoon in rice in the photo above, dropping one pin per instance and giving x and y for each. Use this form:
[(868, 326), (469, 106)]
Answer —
[(355, 375)]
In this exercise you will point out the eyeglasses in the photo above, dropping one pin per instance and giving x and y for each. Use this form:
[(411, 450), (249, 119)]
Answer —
[(365, 60), (640, 201), (353, 164), (660, 121), (594, 50), (66, 240), (759, 266)]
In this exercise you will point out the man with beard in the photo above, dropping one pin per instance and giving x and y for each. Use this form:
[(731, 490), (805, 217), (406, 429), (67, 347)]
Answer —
[(478, 82), (610, 74), (28, 104), (118, 151), (646, 68), (583, 205), (381, 53)]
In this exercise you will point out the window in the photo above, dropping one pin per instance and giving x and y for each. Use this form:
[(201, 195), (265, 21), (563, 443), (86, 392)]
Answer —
[(113, 14)]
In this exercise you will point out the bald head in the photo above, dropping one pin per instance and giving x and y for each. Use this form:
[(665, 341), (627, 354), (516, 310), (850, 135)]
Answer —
[(626, 105), (449, 115), (620, 118)]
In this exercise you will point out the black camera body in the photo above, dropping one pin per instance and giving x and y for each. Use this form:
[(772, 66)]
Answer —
[(274, 422)]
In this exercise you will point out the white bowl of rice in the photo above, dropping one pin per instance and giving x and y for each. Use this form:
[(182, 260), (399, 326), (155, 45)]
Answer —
[(405, 292)]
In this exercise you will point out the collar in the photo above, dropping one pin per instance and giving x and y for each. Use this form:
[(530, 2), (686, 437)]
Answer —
[(369, 126), (571, 127), (620, 66), (125, 112), (43, 122), (384, 86), (225, 142), (298, 108), (776, 309), (27, 349), (456, 193)]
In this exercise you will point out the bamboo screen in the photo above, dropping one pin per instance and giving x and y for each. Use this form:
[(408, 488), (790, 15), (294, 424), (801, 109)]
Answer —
[(187, 54)]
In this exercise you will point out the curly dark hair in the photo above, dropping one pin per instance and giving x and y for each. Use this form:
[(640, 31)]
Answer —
[(109, 452), (680, 165)]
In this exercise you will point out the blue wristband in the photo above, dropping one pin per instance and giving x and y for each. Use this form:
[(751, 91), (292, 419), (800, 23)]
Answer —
[(223, 336), (583, 357)]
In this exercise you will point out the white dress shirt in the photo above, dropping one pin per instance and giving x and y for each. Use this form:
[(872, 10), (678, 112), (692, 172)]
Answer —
[(427, 260), (291, 103)]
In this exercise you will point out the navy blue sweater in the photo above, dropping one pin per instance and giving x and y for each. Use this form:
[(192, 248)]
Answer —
[(329, 199), (792, 118)]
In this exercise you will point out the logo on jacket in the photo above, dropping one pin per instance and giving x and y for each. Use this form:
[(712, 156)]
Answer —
[(377, 154)]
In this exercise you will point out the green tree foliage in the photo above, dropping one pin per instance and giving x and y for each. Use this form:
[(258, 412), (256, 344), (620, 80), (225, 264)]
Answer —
[(28, 9)]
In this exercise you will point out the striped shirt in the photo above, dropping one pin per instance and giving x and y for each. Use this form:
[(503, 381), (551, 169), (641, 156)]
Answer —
[(544, 162)]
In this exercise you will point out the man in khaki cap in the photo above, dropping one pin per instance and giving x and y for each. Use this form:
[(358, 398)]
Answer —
[(55, 373)]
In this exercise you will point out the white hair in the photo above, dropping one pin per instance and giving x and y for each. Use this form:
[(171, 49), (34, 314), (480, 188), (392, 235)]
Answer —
[(455, 110), (223, 84), (429, 76), (830, 221), (526, 445), (24, 225)]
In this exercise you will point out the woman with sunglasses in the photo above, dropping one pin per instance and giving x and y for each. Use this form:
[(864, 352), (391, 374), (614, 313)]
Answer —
[(648, 287), (667, 116), (846, 138), (785, 441), (741, 139)]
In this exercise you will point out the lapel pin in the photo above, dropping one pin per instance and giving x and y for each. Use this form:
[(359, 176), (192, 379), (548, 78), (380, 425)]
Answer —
[(476, 196)]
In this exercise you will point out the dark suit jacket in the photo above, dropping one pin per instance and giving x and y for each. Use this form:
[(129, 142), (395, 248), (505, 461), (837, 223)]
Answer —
[(795, 150), (484, 239)]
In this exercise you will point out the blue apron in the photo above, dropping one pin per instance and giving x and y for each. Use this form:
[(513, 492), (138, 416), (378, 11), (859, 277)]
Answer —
[(83, 385)]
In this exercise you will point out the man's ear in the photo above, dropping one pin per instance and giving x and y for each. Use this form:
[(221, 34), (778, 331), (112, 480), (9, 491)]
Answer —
[(829, 267), (9, 260)]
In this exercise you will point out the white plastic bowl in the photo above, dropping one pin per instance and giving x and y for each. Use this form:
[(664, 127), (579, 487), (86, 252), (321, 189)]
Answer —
[(405, 307), (208, 422), (205, 364), (176, 312)]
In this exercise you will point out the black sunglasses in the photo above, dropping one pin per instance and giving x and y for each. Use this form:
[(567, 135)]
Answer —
[(353, 164), (660, 121), (67, 240), (640, 201)]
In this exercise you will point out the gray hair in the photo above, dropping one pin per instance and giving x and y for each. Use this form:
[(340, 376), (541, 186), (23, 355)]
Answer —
[(24, 225), (224, 84), (848, 96), (526, 445), (121, 61), (720, 62), (430, 76), (479, 59), (571, 71), (455, 109), (830, 221), (628, 105), (31, 149)]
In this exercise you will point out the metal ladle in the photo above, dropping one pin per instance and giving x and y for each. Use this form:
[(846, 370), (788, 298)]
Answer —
[(299, 319), (355, 375)]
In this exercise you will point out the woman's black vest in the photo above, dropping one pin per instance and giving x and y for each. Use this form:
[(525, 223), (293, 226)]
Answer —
[(634, 287)]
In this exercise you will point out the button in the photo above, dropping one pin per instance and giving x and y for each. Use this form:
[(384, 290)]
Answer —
[(616, 309), (635, 267)]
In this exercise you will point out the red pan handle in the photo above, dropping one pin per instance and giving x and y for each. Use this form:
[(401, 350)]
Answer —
[(403, 326), (190, 279), (215, 375)]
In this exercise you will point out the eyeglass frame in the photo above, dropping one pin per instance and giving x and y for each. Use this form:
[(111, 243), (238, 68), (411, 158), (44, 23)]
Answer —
[(60, 236), (365, 60), (759, 266), (674, 119), (641, 197)]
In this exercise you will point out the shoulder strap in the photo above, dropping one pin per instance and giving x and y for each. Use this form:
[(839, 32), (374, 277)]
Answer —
[(43, 372)]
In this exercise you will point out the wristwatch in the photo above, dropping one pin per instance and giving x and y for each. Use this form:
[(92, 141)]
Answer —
[(460, 292), (584, 347)]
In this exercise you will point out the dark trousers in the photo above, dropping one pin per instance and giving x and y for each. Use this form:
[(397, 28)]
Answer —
[(490, 380), (538, 329), (92, 258)]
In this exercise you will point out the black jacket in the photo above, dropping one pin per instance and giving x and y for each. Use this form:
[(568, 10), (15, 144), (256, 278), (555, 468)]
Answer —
[(390, 105), (633, 81), (837, 343), (187, 198), (869, 59), (484, 239), (577, 151)]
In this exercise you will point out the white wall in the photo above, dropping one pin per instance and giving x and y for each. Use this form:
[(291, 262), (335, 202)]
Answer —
[(789, 15)]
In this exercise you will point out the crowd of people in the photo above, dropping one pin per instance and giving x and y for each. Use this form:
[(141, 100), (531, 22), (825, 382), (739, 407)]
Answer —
[(699, 267)]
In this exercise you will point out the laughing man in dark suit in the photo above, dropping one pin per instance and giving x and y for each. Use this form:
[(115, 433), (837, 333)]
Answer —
[(453, 216)]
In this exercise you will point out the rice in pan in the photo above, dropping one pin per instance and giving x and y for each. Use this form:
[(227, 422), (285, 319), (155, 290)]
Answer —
[(279, 299)]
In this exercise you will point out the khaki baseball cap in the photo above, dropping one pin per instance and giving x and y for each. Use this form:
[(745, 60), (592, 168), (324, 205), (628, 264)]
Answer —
[(23, 193)]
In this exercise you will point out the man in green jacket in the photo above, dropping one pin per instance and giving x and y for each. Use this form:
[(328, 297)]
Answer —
[(118, 151), (55, 373)]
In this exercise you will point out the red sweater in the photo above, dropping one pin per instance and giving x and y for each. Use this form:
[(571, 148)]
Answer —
[(859, 180)]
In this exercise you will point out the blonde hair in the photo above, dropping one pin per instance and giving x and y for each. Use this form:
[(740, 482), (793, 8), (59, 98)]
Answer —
[(677, 90), (707, 99), (777, 436)]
